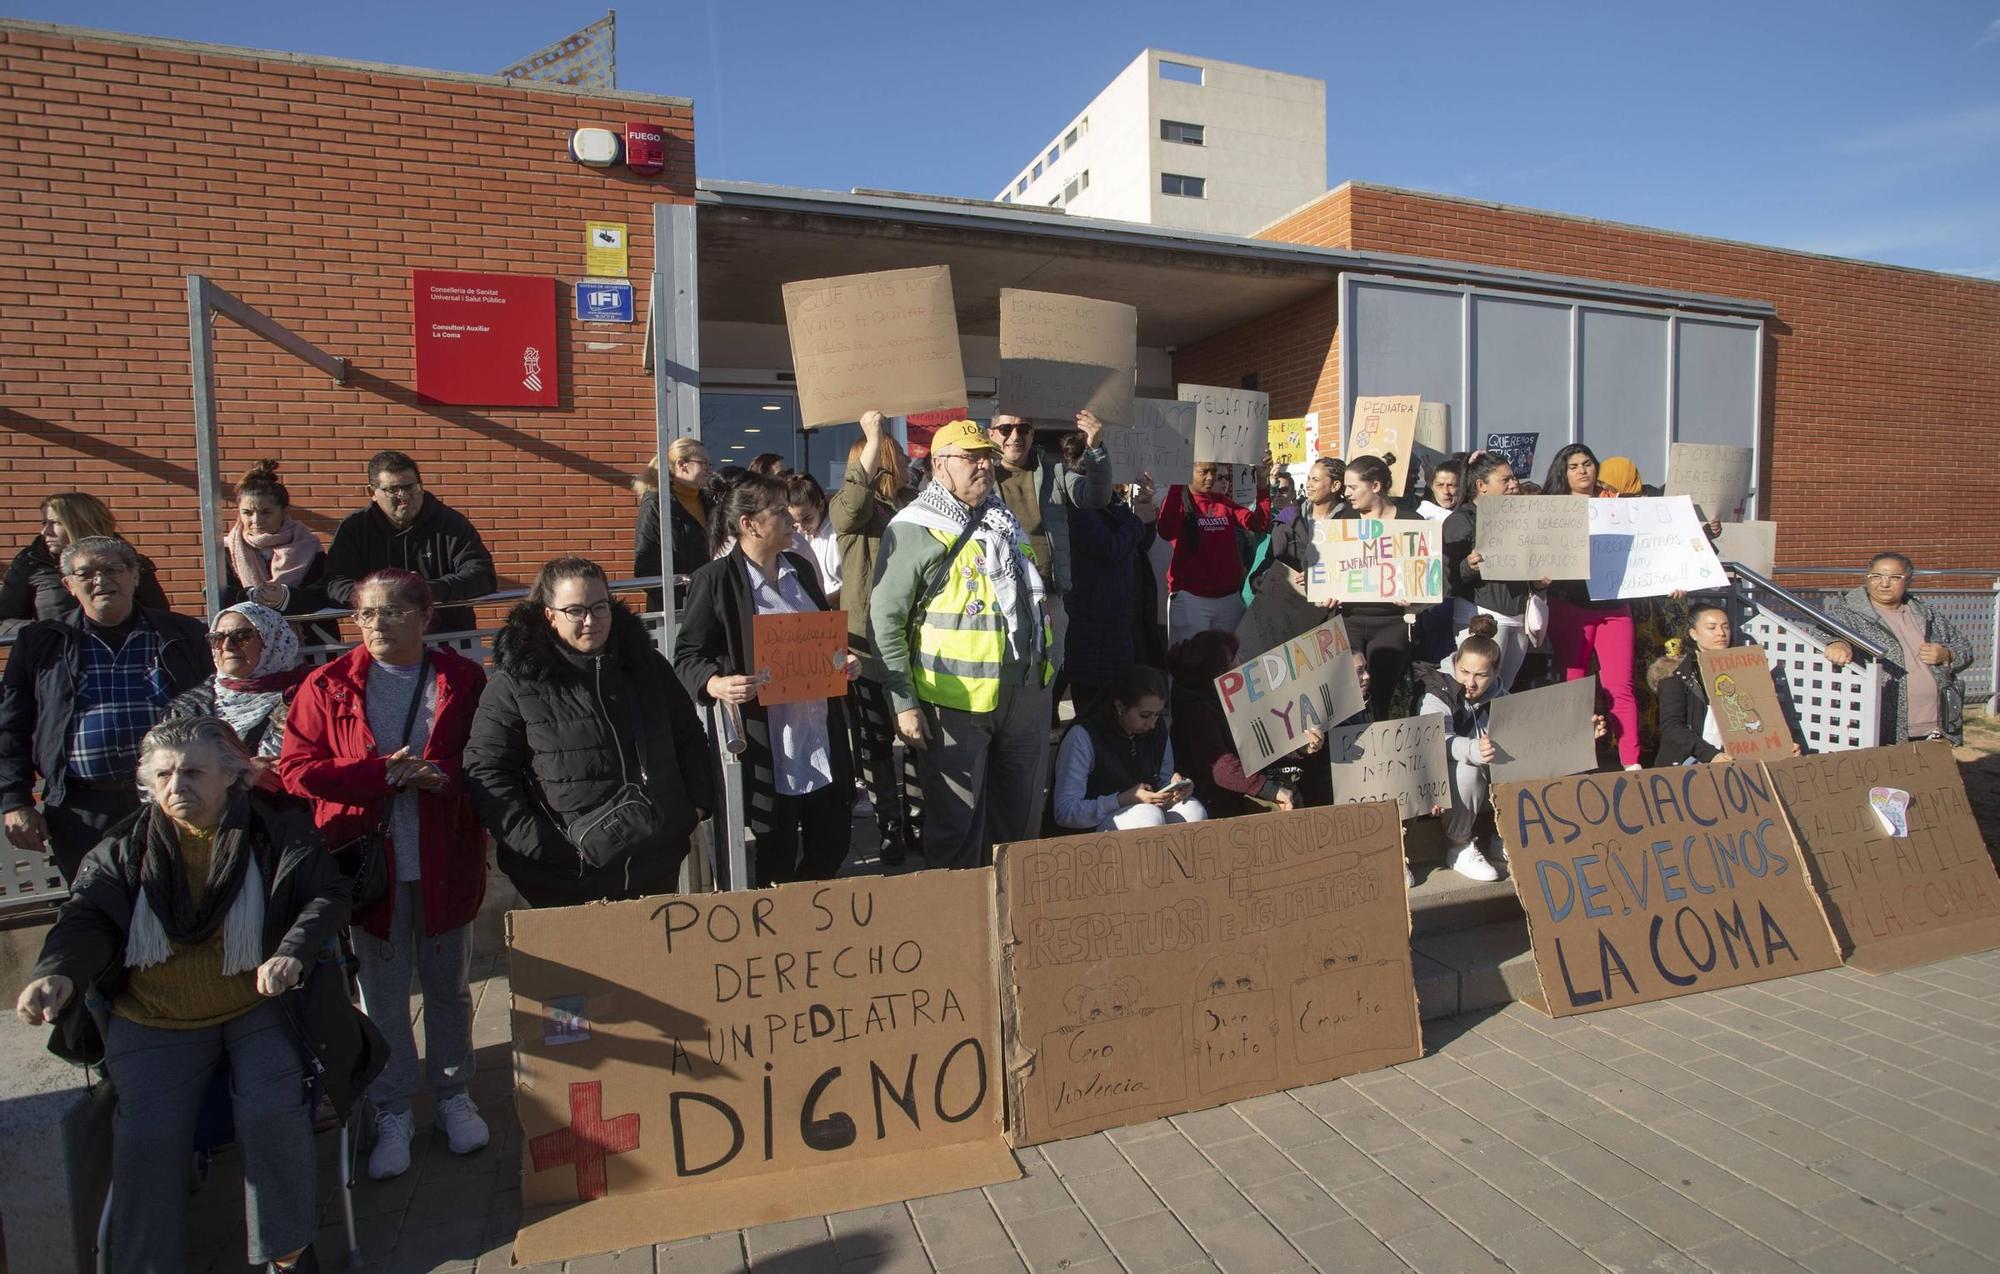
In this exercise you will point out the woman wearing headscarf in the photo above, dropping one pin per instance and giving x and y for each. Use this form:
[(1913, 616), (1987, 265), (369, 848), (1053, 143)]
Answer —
[(257, 667)]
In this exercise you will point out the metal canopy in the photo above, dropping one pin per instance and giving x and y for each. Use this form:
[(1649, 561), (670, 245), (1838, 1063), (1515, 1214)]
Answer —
[(1186, 285)]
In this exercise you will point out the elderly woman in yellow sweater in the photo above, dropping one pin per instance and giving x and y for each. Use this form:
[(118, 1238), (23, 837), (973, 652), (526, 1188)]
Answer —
[(169, 959)]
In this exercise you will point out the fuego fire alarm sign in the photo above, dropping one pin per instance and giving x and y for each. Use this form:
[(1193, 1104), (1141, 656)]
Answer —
[(485, 340)]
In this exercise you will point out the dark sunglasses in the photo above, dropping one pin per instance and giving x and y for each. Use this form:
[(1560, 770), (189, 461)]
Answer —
[(1013, 429), (234, 638)]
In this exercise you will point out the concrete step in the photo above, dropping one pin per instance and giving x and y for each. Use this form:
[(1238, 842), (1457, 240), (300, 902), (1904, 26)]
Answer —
[(1446, 902), (1472, 969)]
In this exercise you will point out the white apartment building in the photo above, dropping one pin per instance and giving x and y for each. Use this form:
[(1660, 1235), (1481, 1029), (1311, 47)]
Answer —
[(1185, 142)]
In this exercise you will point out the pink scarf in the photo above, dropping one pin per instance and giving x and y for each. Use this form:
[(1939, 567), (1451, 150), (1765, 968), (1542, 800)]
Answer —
[(282, 557)]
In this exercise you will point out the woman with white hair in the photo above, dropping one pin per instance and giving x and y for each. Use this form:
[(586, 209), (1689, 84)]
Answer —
[(188, 923)]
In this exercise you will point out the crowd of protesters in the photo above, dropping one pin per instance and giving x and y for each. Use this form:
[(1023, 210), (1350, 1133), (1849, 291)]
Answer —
[(224, 813)]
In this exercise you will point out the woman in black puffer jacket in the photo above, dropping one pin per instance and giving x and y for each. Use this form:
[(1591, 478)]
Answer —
[(581, 704)]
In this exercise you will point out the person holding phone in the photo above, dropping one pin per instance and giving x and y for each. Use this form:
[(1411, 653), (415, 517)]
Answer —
[(1115, 768)]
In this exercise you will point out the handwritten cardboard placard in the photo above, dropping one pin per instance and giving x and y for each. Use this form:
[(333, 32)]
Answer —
[(1434, 427), (1151, 972), (1403, 760), (1544, 733), (1714, 475), (1519, 449), (1231, 426), (1533, 537), (1063, 354), (1270, 701), (1160, 442), (1649, 547), (1912, 884), (1751, 544), (1744, 699), (690, 1064), (1373, 560), (803, 656), (1278, 613), (1385, 426), (1648, 884), (1288, 440), (884, 342)]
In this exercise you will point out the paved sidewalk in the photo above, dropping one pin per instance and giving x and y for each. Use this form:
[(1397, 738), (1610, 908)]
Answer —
[(1834, 1122)]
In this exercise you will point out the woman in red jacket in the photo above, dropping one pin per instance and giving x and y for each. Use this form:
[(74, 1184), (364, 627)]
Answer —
[(376, 739), (1205, 573)]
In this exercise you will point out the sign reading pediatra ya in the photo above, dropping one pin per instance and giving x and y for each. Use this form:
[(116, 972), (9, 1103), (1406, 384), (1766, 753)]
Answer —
[(884, 342), (1648, 884), (699, 1063), (1895, 851), (1231, 426), (1060, 355), (1386, 427), (485, 340), (1271, 701), (1170, 969)]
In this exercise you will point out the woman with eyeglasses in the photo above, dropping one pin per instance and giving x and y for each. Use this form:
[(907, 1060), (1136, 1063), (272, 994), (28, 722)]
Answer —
[(375, 741), (257, 671), (1927, 697), (587, 761), (688, 506), (799, 771)]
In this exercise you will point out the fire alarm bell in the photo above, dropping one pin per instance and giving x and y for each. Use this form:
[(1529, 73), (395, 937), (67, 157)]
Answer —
[(597, 147), (645, 147)]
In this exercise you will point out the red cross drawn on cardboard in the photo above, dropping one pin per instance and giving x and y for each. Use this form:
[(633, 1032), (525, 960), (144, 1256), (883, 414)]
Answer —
[(587, 1140)]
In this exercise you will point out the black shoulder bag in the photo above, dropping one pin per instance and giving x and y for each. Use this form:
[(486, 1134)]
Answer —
[(365, 859)]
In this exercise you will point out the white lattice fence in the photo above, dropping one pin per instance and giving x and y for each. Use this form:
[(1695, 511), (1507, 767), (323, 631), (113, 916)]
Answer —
[(1832, 709)]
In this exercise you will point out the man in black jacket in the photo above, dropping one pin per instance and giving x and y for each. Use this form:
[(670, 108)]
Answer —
[(407, 528), (80, 693)]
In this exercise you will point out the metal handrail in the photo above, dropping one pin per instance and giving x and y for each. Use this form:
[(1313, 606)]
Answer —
[(1981, 572), (1819, 616)]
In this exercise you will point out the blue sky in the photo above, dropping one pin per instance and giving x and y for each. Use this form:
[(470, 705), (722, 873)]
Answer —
[(1860, 129)]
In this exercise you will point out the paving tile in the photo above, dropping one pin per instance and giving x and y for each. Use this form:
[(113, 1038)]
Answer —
[(1576, 1214), (712, 1254), (873, 1231), (1250, 1245), (1082, 1155), (1768, 1220), (1949, 1258), (1004, 1263), (1876, 1226), (1423, 1169), (1535, 1133), (1880, 1182), (1638, 1250), (1540, 1250), (1673, 1217), (1203, 1200), (1249, 1160), (1480, 1210), (1599, 1171), (967, 1232), (1057, 1240), (1212, 1127), (1844, 1256), (1387, 1208), (1960, 1222), (1336, 1163), (1294, 1202), (1346, 1247), (1444, 1249), (767, 1244), (1289, 1125), (1115, 1195), (638, 1260), (1155, 1242), (1511, 1170), (1372, 1130), (1160, 1159)]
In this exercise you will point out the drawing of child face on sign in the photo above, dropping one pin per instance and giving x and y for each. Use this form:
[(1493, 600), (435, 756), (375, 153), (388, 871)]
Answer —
[(1738, 715)]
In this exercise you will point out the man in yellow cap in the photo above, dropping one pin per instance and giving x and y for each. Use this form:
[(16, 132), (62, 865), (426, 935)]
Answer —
[(959, 618)]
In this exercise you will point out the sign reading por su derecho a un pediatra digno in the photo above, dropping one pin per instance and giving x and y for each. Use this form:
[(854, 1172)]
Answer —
[(1648, 884)]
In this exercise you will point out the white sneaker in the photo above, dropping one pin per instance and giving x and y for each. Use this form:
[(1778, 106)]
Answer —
[(464, 1130), (391, 1156), (1468, 862), (1409, 877)]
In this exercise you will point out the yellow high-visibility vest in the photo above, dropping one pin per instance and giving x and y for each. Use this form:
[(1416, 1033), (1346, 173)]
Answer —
[(960, 641)]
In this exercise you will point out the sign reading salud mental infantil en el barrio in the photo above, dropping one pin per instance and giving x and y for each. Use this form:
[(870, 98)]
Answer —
[(485, 340)]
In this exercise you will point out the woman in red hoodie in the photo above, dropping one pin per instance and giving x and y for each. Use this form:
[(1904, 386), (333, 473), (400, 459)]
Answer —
[(376, 739), (1208, 531)]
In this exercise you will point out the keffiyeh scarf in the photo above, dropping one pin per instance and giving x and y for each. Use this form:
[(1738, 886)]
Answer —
[(1003, 551)]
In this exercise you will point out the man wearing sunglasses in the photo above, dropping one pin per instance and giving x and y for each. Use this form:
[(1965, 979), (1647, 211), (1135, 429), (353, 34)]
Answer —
[(79, 694), (1040, 490), (406, 528)]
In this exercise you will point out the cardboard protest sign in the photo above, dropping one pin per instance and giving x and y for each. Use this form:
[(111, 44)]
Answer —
[(690, 1064), (1715, 476), (1750, 544), (1403, 760), (1895, 851), (1544, 733), (1519, 450), (1160, 442), (1231, 426), (803, 656), (884, 342), (1271, 700), (1287, 440), (1648, 884), (1063, 354), (1745, 702), (1385, 427), (1150, 972), (1433, 431), (1533, 537), (1278, 613), (1372, 560), (1648, 547)]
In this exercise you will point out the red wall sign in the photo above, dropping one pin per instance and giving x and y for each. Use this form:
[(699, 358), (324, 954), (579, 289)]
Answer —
[(485, 340)]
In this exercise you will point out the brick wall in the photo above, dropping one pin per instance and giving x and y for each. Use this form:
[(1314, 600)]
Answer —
[(310, 190), (1881, 384)]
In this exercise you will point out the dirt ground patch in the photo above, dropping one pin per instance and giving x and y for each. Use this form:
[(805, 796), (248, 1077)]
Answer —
[(1979, 763)]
